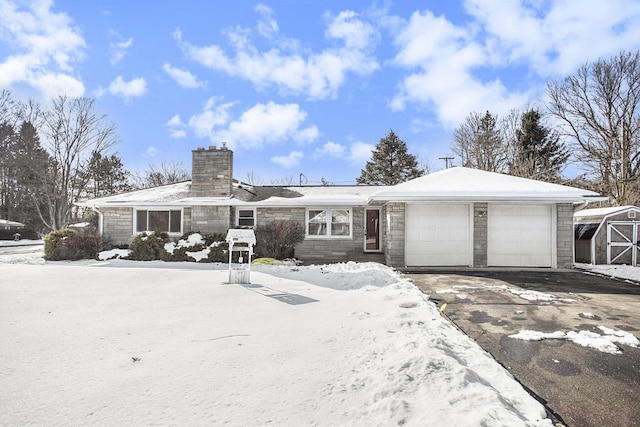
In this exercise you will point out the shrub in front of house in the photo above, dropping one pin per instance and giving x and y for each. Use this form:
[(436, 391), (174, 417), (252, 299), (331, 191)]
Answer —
[(278, 239), (79, 246), (149, 247), (53, 242)]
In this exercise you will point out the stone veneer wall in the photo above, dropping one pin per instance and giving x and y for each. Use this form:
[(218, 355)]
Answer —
[(211, 219), (323, 250), (212, 172), (480, 227), (117, 224), (393, 234), (564, 235)]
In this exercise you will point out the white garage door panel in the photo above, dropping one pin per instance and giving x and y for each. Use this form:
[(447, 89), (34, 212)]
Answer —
[(437, 234), (519, 235)]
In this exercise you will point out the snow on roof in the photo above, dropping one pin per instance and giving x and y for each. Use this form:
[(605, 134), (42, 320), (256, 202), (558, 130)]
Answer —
[(165, 194), (602, 212), (5, 223), (179, 195), (459, 183)]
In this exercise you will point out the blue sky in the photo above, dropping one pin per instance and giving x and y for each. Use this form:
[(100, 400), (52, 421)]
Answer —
[(296, 86)]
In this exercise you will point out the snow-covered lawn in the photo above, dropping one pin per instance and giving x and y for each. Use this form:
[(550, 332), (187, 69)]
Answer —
[(132, 343)]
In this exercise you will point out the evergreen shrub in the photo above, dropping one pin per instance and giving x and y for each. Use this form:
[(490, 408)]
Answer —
[(149, 247), (53, 241)]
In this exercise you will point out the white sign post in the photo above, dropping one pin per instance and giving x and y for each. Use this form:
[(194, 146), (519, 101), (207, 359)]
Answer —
[(240, 240)]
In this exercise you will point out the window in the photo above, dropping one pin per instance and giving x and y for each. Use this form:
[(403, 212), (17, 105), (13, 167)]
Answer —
[(245, 217), (329, 223), (168, 221)]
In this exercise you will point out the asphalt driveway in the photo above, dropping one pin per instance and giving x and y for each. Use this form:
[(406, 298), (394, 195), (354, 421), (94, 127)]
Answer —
[(582, 386)]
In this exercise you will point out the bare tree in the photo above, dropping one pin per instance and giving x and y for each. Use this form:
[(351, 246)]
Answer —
[(253, 178), (598, 109), (72, 131), (163, 174), (479, 143)]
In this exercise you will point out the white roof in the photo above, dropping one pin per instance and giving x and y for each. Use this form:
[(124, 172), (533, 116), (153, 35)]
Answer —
[(602, 212), (165, 194), (464, 184), (7, 223), (458, 184)]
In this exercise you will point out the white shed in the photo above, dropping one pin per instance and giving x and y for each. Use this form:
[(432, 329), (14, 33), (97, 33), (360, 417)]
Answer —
[(607, 235)]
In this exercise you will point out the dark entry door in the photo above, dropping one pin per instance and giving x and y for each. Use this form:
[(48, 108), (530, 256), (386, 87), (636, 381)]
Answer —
[(372, 230)]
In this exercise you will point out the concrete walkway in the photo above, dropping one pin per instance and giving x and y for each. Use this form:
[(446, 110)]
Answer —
[(582, 386)]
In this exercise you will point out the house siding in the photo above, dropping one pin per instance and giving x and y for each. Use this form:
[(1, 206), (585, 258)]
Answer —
[(324, 250), (393, 234), (117, 224), (210, 219), (564, 235)]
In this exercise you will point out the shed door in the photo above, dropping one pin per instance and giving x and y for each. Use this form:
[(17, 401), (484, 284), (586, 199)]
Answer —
[(437, 234), (622, 242), (520, 235)]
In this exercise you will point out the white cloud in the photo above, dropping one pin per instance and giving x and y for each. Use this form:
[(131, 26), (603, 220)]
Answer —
[(290, 160), (330, 149), (267, 26), (43, 48), (317, 75), (118, 49), (261, 124), (356, 33), (183, 77), (212, 117), (359, 152), (445, 56), (451, 67), (132, 88), (555, 38), (176, 127)]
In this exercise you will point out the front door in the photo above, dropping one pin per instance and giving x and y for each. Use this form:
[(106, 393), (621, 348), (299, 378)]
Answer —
[(372, 230)]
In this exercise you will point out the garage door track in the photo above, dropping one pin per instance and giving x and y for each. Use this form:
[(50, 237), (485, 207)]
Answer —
[(583, 386)]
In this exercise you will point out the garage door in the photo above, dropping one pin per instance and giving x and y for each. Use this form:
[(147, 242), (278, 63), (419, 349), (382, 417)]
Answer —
[(519, 235), (437, 234)]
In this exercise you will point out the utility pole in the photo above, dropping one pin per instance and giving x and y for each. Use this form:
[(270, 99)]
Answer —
[(447, 160)]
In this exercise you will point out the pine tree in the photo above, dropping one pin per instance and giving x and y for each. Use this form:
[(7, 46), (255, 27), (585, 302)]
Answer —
[(538, 152), (390, 163), (106, 175)]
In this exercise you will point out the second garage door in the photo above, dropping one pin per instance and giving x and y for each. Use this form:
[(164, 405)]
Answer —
[(437, 234), (520, 236)]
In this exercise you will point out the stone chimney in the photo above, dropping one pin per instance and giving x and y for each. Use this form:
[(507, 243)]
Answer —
[(212, 172)]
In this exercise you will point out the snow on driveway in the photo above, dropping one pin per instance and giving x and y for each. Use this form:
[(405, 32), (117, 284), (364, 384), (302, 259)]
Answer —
[(348, 344)]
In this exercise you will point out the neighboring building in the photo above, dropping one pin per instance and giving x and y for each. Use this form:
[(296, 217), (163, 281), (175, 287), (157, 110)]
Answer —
[(608, 235), (455, 217), (10, 225)]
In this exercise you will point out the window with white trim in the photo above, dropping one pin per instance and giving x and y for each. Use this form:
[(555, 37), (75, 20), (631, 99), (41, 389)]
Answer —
[(246, 217), (159, 220), (329, 222)]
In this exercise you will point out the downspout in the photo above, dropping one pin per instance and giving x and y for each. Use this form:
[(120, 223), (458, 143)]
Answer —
[(100, 220)]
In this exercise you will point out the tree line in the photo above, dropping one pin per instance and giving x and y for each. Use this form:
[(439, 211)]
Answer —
[(590, 119), (55, 155)]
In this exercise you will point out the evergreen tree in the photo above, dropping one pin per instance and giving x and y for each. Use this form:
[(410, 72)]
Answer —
[(106, 175), (538, 152), (390, 163)]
